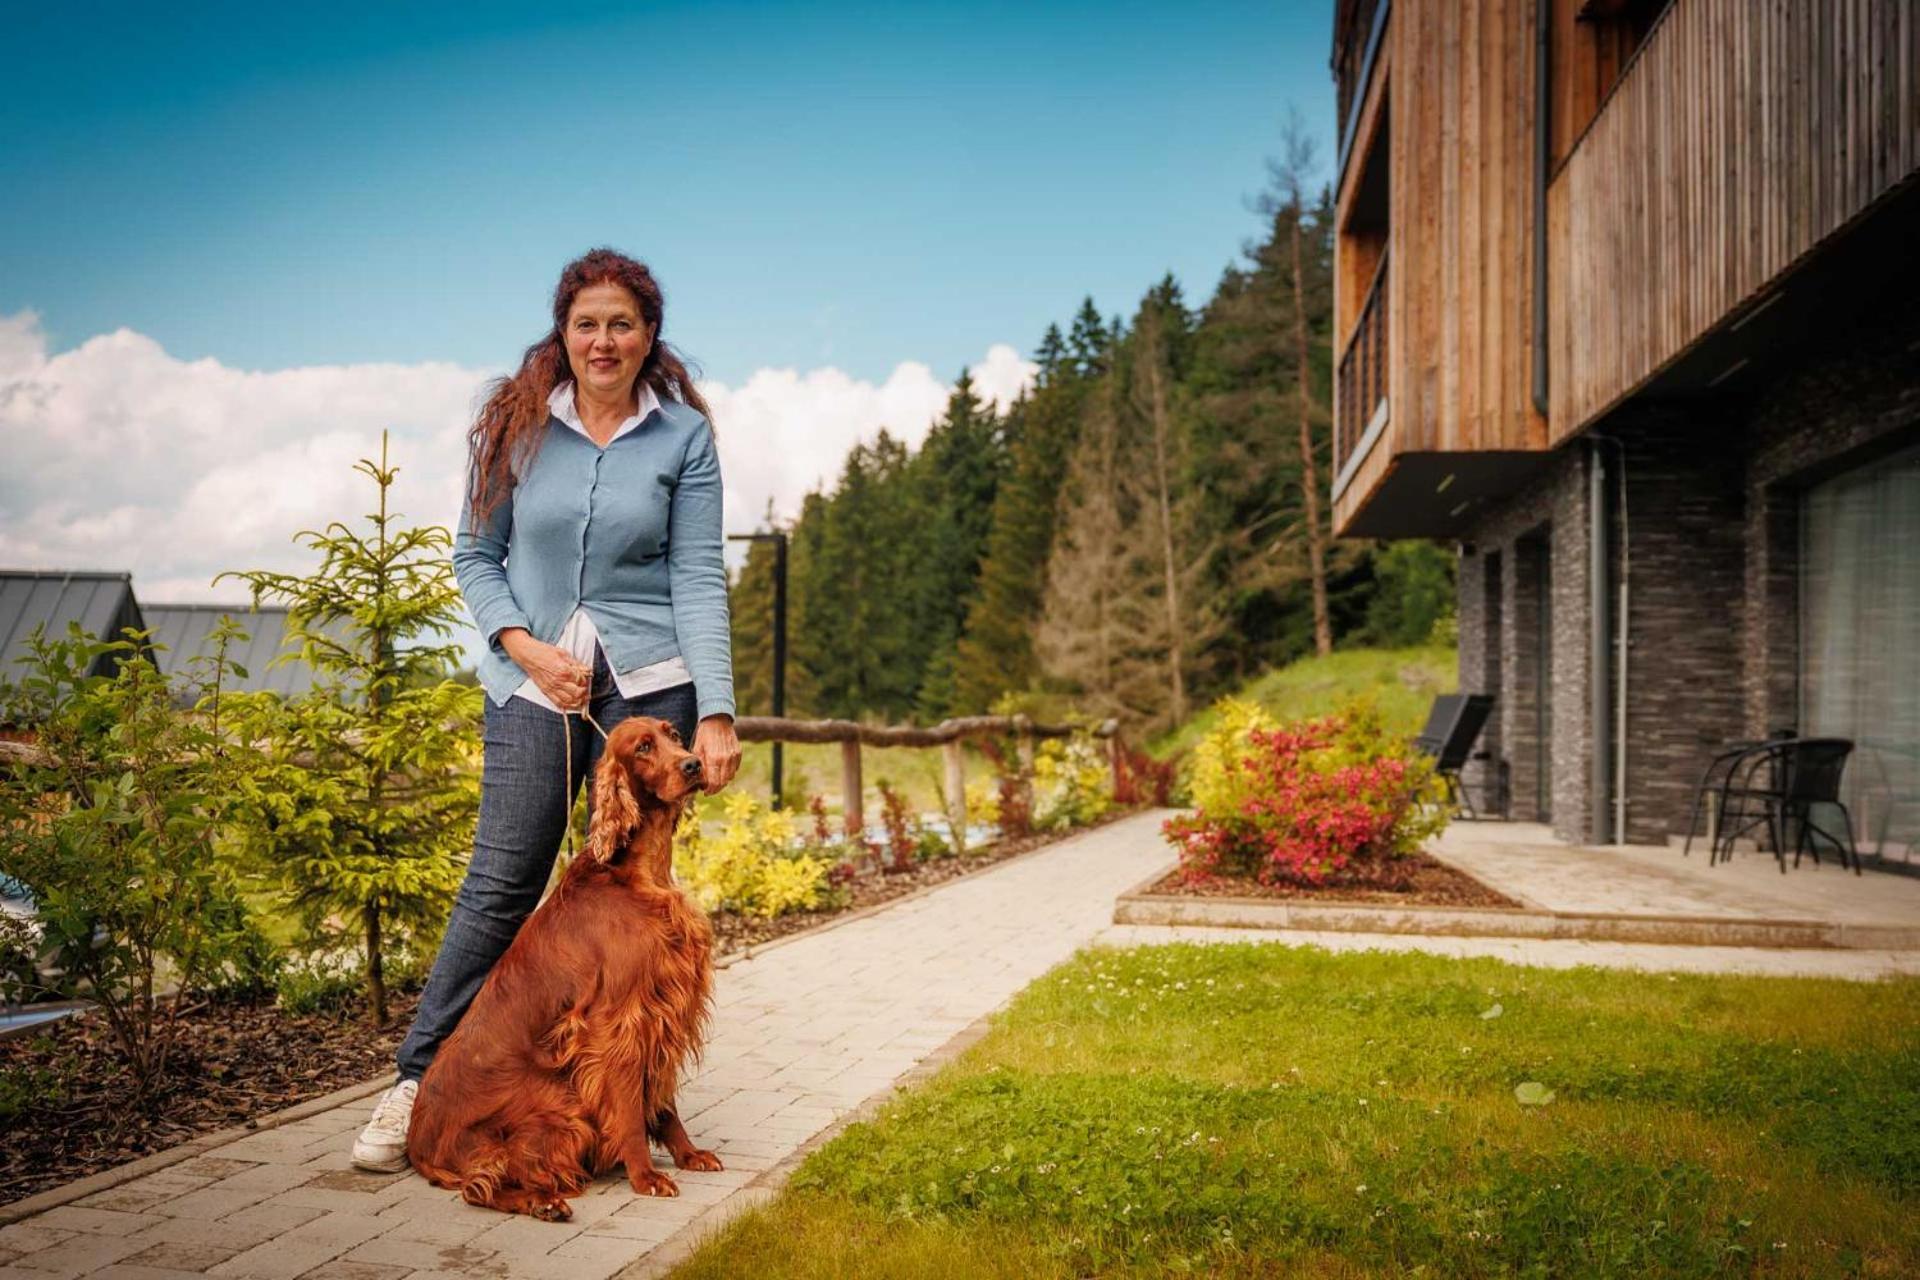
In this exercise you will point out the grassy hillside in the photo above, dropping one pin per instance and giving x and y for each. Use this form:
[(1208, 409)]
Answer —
[(1402, 682)]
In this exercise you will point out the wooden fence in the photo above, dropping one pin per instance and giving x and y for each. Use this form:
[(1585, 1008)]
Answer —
[(851, 735), (947, 735)]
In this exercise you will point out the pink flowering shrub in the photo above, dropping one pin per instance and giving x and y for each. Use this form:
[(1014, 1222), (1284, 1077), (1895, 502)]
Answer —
[(1305, 802)]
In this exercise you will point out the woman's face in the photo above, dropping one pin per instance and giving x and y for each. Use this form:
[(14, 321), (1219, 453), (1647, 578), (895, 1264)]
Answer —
[(607, 341)]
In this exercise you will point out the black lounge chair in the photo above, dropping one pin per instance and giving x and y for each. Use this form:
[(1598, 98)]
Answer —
[(1453, 727)]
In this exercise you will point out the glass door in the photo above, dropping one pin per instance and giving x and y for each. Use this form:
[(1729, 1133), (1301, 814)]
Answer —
[(1860, 643)]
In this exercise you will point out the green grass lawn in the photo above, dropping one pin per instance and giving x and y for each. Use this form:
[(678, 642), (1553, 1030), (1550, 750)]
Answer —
[(1402, 682), (1256, 1110)]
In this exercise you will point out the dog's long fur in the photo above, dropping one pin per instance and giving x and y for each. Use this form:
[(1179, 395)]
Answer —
[(568, 1059)]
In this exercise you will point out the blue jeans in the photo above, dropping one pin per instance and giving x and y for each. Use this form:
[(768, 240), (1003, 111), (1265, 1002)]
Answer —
[(524, 803)]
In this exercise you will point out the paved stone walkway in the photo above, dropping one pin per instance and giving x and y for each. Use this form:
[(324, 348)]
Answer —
[(803, 1033)]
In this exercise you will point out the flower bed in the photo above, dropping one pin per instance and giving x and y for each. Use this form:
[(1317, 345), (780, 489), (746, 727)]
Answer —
[(1413, 881), (1332, 807)]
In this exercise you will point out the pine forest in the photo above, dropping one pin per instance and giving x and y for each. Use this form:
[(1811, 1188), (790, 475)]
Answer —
[(1142, 530)]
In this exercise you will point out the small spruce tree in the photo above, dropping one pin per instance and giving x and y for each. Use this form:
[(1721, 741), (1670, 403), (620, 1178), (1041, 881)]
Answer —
[(363, 802)]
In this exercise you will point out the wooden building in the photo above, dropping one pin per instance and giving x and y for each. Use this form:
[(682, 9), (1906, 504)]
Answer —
[(1625, 311)]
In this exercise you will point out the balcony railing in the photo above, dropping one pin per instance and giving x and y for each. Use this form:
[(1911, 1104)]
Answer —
[(1361, 409)]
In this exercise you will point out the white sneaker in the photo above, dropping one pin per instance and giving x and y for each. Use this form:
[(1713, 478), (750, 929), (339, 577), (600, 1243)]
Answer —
[(382, 1145)]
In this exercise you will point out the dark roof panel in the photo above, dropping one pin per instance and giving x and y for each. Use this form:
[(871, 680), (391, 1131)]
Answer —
[(185, 628), (101, 603)]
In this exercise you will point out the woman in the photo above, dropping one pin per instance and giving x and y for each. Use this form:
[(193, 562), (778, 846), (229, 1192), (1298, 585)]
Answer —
[(589, 553)]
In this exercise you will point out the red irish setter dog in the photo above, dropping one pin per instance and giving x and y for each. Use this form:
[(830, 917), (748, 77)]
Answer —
[(567, 1061)]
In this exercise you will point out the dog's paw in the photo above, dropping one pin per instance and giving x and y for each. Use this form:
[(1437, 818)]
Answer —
[(652, 1182), (553, 1211), (704, 1161)]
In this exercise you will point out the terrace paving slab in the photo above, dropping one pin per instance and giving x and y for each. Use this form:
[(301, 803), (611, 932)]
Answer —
[(1525, 861)]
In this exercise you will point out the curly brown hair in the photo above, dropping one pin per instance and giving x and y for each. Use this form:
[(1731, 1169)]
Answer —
[(510, 425)]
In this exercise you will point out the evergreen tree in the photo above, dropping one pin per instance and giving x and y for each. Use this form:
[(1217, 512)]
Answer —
[(996, 650), (361, 803), (751, 614), (955, 477), (1051, 355), (1090, 340)]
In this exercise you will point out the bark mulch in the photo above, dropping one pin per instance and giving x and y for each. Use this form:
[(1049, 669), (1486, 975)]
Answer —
[(67, 1108), (1413, 881)]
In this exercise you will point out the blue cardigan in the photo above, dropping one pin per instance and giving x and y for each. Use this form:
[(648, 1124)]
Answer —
[(631, 532)]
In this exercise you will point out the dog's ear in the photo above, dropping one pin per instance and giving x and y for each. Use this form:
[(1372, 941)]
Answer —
[(615, 812)]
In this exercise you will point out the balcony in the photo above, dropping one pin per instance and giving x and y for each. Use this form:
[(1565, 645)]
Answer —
[(1360, 394), (1736, 146)]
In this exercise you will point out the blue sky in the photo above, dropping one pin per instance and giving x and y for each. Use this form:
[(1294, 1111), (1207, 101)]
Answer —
[(239, 244), (816, 185)]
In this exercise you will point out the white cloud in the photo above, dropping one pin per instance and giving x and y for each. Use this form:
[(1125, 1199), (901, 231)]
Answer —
[(120, 456)]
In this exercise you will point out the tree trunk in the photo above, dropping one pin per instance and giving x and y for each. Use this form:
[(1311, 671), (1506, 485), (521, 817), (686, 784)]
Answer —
[(1157, 402), (1316, 551), (376, 974)]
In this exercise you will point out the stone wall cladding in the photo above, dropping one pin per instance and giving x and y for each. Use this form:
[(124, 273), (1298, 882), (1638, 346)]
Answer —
[(1713, 495), (1686, 580), (1500, 656)]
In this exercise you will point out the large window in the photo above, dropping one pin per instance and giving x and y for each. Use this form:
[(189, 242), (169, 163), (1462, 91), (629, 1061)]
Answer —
[(1860, 642)]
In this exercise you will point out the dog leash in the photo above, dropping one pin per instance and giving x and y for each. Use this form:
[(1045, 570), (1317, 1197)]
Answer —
[(567, 733)]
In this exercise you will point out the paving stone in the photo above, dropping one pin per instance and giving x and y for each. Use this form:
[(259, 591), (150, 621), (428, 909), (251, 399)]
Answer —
[(419, 1255), (143, 1271), (81, 1254), (103, 1222), (310, 1197), (603, 1255), (30, 1236), (210, 1203), (182, 1255), (650, 1230), (211, 1168), (271, 1218), (519, 1236), (342, 1269), (232, 1236)]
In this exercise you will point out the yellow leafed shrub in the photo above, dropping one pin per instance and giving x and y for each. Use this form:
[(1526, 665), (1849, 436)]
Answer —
[(1072, 783), (983, 802), (744, 858)]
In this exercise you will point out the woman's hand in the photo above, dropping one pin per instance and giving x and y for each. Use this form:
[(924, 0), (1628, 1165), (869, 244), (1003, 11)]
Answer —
[(719, 750), (556, 673)]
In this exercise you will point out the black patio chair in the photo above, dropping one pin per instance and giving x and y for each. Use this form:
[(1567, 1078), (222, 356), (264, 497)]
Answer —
[(1776, 785), (1453, 726)]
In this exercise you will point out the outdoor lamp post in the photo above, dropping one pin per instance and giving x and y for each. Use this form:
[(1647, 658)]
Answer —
[(779, 541)]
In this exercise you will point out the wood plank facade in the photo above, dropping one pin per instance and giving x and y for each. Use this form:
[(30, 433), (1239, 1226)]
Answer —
[(1742, 136), (1690, 153)]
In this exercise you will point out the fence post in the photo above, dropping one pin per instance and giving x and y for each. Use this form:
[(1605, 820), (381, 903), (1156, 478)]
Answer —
[(850, 791), (1023, 747), (956, 793)]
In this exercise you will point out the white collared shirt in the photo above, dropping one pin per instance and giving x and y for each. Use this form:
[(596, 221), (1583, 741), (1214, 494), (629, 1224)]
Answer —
[(578, 638)]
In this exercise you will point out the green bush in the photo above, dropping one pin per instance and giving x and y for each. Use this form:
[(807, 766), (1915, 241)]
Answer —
[(329, 981), (114, 831)]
